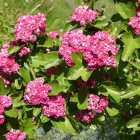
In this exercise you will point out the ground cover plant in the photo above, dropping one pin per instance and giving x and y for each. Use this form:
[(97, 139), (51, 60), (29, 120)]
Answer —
[(71, 74)]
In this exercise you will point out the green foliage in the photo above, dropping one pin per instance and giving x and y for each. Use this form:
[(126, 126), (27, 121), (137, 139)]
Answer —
[(121, 87)]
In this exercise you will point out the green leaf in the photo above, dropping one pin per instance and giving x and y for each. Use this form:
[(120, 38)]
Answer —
[(133, 123), (48, 43), (75, 72), (133, 90), (65, 125), (36, 111), (25, 74), (82, 99), (13, 49), (130, 44), (12, 112), (111, 90), (2, 87), (109, 7), (30, 127), (56, 88), (135, 64), (112, 111), (126, 10), (47, 60), (44, 119)]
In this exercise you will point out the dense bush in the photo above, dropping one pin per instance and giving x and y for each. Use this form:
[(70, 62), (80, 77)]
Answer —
[(78, 76)]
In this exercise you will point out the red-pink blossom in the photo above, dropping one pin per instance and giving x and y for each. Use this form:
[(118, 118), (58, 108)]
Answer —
[(134, 22), (5, 101), (2, 119), (53, 34), (84, 15), (101, 51), (72, 41), (97, 103), (15, 135), (7, 64), (29, 27), (36, 91), (85, 115), (1, 109), (24, 50), (54, 106)]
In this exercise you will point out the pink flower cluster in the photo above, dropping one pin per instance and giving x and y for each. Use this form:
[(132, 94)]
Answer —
[(85, 116), (52, 70), (15, 135), (97, 103), (72, 41), (53, 34), (54, 107), (29, 27), (5, 102), (7, 63), (24, 50), (36, 91), (89, 84), (134, 22), (84, 15), (98, 50), (101, 51)]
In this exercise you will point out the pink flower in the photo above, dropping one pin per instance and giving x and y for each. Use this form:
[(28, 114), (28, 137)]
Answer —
[(15, 135), (100, 51), (1, 109), (5, 101), (97, 103), (2, 119), (53, 34), (72, 41), (7, 63), (24, 50), (54, 106), (29, 27), (85, 116), (134, 22), (36, 91), (84, 15)]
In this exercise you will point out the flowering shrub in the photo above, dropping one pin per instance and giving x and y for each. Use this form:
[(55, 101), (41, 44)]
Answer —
[(78, 76)]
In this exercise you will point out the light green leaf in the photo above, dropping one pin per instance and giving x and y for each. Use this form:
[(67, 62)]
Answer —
[(111, 90), (48, 43), (130, 44), (135, 64), (112, 111), (44, 119), (126, 10), (13, 49), (12, 112), (65, 125), (133, 123), (25, 74), (56, 88), (36, 111), (133, 90)]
